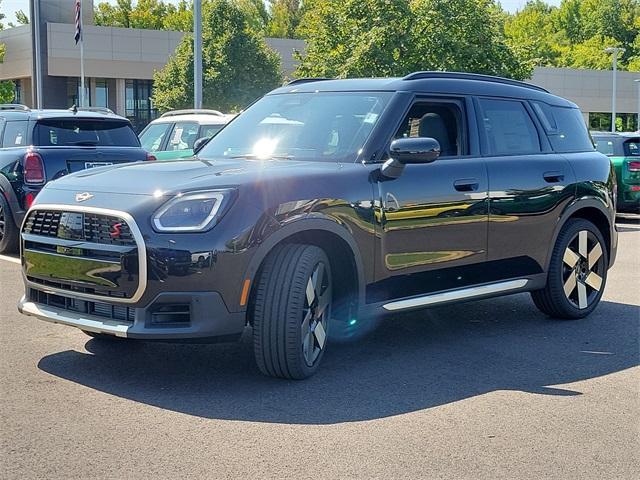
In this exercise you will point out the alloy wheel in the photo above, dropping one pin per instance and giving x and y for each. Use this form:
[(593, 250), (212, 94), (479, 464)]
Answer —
[(583, 269), (317, 310)]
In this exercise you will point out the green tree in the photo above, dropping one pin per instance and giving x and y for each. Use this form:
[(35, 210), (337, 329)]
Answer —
[(285, 19), (7, 89), (531, 35), (348, 38), (237, 64)]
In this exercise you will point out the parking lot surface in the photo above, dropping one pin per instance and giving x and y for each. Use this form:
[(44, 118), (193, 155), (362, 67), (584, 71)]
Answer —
[(489, 389)]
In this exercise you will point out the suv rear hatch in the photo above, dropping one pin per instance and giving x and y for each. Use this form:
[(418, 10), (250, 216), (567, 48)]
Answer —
[(69, 145)]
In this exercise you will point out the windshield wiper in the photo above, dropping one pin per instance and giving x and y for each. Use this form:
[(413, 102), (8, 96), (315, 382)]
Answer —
[(253, 156)]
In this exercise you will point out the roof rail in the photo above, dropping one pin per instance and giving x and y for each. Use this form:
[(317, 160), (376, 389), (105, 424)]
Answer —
[(298, 81), (472, 76), (190, 111), (105, 110), (14, 106)]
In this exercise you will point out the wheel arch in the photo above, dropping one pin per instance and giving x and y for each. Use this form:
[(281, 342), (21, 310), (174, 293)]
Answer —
[(6, 189), (337, 243), (595, 211)]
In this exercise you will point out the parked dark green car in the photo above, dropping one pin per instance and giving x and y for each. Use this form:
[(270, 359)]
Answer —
[(624, 151)]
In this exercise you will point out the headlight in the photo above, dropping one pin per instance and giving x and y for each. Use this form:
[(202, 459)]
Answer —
[(191, 212)]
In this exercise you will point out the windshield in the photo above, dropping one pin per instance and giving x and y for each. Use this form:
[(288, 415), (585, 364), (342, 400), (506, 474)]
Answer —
[(324, 126)]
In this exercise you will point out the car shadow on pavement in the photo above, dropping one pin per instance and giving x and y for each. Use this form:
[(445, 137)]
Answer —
[(410, 362)]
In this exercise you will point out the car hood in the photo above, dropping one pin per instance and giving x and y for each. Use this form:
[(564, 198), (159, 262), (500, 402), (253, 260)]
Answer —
[(167, 177)]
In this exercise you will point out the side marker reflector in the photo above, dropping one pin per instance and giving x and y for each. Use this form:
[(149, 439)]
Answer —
[(245, 292)]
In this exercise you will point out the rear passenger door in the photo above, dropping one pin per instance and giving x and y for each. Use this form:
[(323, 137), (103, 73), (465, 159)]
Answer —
[(529, 185)]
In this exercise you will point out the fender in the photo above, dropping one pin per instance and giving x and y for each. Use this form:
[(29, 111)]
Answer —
[(6, 189), (573, 207), (301, 225)]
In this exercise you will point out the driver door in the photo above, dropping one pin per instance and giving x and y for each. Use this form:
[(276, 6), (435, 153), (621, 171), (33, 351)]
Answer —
[(433, 218)]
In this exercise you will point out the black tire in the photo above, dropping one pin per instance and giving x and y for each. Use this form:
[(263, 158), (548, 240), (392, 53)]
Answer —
[(289, 329), (583, 273), (9, 234)]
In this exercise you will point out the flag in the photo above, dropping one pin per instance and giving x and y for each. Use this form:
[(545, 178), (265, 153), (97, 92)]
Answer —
[(78, 34)]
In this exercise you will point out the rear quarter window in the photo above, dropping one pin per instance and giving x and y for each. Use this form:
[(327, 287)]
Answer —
[(632, 148), (15, 134), (85, 132), (565, 128)]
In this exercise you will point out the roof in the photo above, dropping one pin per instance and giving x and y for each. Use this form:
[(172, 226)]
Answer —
[(431, 82), (199, 118), (28, 114)]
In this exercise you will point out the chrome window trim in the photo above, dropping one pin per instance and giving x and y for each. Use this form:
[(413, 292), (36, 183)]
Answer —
[(135, 231)]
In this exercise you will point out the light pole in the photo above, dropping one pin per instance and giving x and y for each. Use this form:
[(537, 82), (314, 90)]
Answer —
[(197, 54), (615, 51), (637, 81)]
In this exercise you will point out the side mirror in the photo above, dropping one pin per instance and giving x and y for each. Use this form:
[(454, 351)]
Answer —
[(200, 143), (405, 151)]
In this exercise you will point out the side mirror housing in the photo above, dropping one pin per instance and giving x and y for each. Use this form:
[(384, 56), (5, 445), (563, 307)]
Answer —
[(405, 151), (199, 144)]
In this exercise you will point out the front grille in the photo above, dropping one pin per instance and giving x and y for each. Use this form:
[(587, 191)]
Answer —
[(98, 309), (89, 227)]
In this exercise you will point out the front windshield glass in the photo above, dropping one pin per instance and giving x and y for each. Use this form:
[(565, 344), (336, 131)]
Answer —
[(320, 126)]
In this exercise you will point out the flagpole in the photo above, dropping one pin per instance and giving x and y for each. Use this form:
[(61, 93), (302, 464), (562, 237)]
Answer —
[(82, 91)]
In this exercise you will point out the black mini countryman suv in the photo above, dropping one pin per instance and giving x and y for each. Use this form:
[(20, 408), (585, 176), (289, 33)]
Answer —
[(328, 203)]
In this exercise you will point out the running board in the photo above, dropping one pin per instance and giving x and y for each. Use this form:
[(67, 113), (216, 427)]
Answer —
[(452, 295)]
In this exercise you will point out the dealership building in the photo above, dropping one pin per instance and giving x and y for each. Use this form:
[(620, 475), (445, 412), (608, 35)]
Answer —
[(119, 64)]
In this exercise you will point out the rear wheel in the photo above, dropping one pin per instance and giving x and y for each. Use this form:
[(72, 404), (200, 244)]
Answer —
[(577, 272), (8, 229), (291, 311)]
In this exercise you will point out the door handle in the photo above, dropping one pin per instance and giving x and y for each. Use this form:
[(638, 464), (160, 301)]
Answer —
[(466, 185), (553, 177)]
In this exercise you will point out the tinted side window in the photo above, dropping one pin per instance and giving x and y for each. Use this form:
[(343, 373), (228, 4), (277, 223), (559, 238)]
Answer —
[(81, 132), (183, 136), (153, 136), (509, 128), (632, 148), (439, 120), (15, 134), (565, 127)]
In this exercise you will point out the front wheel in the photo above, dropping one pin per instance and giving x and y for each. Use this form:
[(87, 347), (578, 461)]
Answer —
[(8, 229), (291, 311), (577, 272)]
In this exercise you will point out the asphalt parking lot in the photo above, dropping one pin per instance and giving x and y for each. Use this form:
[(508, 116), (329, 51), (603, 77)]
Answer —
[(490, 389)]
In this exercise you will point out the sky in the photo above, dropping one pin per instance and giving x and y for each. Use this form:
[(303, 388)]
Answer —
[(9, 7)]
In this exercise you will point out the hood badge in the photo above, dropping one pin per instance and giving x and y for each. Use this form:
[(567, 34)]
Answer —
[(81, 197)]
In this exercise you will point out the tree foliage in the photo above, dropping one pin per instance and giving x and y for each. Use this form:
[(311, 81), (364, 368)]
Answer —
[(237, 64), (150, 14), (349, 38), (576, 33), (284, 18), (7, 89)]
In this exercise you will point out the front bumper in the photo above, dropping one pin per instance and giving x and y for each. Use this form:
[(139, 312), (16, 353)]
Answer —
[(206, 319)]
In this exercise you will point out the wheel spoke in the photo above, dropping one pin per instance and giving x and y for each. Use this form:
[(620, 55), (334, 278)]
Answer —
[(570, 284), (320, 335), (594, 255), (594, 281), (311, 294), (582, 243), (570, 257), (306, 322), (318, 276), (582, 295)]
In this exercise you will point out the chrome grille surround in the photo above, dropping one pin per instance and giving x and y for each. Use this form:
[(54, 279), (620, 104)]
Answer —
[(134, 230)]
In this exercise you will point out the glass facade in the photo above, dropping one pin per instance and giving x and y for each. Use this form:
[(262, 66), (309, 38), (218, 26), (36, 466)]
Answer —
[(102, 93), (138, 104), (601, 121), (73, 91)]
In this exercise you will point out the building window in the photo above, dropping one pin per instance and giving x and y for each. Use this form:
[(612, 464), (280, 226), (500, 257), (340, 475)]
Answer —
[(102, 93), (17, 96), (601, 121), (73, 91), (138, 104)]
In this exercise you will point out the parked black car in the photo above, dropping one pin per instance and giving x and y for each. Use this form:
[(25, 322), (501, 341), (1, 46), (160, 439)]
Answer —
[(37, 146), (327, 203)]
